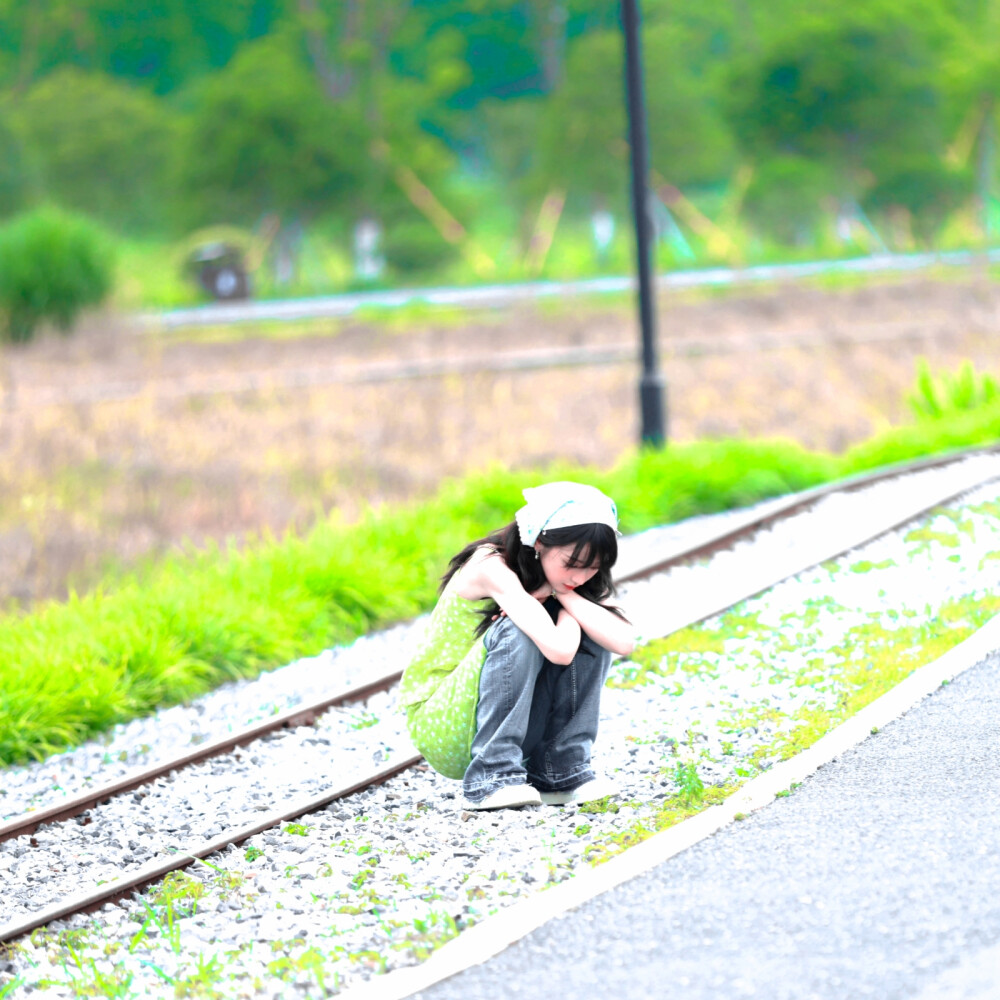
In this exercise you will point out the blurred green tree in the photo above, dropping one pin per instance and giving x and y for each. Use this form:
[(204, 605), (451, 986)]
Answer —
[(37, 37), (788, 195), (928, 188), (98, 145), (18, 186), (971, 83), (578, 141), (352, 49), (398, 107), (838, 91), (852, 90), (262, 138), (163, 45)]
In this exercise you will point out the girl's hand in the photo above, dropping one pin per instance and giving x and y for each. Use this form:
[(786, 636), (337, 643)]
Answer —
[(543, 593)]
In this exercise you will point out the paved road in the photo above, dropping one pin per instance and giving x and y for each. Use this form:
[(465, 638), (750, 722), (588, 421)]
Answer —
[(507, 294), (879, 877)]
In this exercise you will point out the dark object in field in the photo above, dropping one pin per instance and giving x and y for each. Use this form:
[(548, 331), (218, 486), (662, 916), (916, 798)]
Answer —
[(221, 270)]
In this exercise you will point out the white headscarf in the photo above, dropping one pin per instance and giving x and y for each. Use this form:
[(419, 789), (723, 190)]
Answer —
[(560, 505)]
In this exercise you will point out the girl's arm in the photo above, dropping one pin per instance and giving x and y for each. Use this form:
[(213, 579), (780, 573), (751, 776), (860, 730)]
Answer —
[(599, 622), (489, 576)]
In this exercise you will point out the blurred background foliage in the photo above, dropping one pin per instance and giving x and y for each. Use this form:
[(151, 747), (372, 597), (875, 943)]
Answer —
[(483, 136)]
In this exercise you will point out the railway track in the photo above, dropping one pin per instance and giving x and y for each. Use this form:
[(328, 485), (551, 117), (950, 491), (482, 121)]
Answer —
[(851, 518)]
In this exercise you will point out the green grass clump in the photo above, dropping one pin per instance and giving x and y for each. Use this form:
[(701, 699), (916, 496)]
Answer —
[(966, 390), (53, 264), (656, 487), (69, 671), (669, 812), (927, 437)]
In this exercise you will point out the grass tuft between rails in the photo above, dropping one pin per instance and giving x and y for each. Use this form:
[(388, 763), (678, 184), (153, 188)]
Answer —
[(72, 670)]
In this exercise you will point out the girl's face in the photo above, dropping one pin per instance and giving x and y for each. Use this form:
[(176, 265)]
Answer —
[(560, 570)]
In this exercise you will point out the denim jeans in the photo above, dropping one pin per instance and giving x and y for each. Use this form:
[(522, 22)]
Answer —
[(536, 721)]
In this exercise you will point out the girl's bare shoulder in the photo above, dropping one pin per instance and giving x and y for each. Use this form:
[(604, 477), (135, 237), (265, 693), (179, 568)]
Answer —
[(482, 574)]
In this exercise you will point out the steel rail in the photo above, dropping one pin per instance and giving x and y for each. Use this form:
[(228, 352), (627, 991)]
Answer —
[(300, 715), (821, 550), (765, 514), (814, 551), (91, 899)]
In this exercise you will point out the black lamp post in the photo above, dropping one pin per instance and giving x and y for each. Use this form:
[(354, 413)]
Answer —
[(651, 388)]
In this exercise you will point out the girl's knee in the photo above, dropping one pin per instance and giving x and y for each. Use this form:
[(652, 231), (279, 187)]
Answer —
[(504, 636)]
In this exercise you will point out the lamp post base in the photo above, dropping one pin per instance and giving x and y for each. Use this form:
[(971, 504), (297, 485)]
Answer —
[(652, 394)]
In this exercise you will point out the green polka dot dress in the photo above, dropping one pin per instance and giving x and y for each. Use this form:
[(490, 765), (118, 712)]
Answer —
[(440, 687)]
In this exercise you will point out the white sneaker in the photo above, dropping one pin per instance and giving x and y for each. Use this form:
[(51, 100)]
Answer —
[(596, 788), (508, 797)]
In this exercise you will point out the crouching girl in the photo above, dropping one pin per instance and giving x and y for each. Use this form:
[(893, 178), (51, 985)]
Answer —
[(504, 691)]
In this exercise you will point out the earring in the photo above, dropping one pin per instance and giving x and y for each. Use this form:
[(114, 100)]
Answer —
[(536, 555)]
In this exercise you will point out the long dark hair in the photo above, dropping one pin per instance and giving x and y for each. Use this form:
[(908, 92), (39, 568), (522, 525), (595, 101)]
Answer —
[(592, 543)]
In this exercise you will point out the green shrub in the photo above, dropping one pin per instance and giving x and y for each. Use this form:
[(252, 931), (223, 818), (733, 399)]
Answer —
[(413, 247), (786, 197), (52, 265), (17, 186), (945, 394), (927, 437), (654, 487), (929, 189)]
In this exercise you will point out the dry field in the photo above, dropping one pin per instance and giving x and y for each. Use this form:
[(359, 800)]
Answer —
[(118, 444)]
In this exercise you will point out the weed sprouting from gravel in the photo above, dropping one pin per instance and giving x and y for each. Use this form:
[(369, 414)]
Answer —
[(363, 720), (7, 989), (690, 787)]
